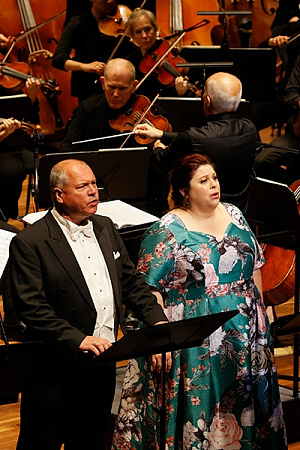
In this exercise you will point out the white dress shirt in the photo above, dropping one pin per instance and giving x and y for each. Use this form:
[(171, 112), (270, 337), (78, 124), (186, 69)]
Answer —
[(88, 253)]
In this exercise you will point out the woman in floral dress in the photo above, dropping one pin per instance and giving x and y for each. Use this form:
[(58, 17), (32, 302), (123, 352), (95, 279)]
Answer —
[(202, 258)]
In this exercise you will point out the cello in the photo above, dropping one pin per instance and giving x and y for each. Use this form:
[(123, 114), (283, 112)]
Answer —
[(37, 49), (176, 15), (278, 273)]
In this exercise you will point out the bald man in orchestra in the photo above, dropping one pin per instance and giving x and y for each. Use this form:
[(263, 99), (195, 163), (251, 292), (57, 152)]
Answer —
[(229, 141)]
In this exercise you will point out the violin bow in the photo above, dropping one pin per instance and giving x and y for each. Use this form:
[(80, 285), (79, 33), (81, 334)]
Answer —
[(127, 134), (180, 36), (123, 36), (141, 118)]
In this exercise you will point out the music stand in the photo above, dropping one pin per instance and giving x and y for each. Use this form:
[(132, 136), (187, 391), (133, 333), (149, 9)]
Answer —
[(121, 173), (272, 209), (161, 339), (255, 67)]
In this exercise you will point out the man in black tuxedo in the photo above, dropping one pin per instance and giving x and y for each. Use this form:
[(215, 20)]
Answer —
[(71, 276)]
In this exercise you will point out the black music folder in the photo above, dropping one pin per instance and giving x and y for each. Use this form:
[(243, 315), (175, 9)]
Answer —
[(165, 337)]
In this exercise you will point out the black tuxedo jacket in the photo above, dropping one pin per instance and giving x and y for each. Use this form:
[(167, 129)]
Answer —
[(51, 295)]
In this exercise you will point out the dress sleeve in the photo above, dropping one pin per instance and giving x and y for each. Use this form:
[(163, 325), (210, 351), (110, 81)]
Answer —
[(156, 260)]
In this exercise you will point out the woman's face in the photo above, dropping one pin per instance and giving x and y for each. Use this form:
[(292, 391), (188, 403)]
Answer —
[(204, 188), (143, 33)]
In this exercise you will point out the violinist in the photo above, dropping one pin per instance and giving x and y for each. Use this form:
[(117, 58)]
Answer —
[(16, 164), (90, 38), (105, 114), (143, 29)]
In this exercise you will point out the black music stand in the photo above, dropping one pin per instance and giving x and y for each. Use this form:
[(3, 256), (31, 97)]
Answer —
[(161, 339), (255, 67), (272, 209), (121, 173)]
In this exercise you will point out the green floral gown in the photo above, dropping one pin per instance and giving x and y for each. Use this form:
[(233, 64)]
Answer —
[(223, 394)]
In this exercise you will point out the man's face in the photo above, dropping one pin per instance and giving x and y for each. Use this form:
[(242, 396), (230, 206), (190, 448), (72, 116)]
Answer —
[(80, 198), (118, 88)]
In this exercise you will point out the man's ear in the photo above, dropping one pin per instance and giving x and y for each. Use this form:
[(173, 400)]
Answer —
[(135, 83), (58, 195), (102, 81)]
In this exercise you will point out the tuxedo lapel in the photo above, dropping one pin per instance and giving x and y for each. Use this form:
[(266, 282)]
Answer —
[(104, 240), (65, 256)]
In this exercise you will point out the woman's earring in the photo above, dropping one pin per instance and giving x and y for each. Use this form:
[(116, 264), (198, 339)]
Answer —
[(187, 204)]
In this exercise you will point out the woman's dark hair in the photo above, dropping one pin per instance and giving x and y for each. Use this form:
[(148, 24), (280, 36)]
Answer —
[(182, 173)]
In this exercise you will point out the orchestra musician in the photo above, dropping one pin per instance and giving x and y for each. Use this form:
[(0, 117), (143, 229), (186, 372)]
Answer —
[(15, 165), (142, 27), (97, 116), (92, 45), (229, 141)]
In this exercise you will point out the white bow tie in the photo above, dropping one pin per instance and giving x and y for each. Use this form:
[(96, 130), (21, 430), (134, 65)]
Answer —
[(87, 230)]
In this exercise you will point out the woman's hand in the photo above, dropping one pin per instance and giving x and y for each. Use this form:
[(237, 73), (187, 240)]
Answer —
[(94, 67), (157, 362), (32, 88)]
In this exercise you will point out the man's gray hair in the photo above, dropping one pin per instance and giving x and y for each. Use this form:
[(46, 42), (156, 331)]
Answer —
[(222, 96), (58, 178)]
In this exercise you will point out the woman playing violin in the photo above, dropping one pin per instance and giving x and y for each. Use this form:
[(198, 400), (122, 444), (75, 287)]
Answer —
[(143, 29), (92, 44)]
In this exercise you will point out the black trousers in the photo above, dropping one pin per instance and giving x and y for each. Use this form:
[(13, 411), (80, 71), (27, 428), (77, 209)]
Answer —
[(69, 406)]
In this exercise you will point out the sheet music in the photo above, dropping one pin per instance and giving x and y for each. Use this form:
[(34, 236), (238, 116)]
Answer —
[(5, 238), (121, 213)]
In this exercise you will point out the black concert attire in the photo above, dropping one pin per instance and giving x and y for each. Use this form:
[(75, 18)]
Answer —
[(13, 327), (77, 7), (92, 121), (230, 143), (16, 161), (276, 163), (82, 34), (286, 10)]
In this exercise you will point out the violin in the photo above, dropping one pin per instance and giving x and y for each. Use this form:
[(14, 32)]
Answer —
[(115, 24), (163, 62), (14, 75), (29, 128), (139, 112)]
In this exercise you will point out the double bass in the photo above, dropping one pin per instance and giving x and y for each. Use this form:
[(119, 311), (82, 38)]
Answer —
[(36, 49)]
